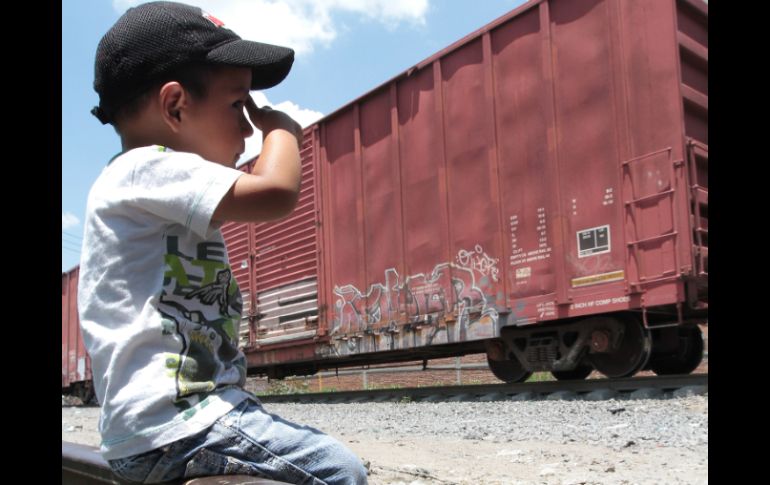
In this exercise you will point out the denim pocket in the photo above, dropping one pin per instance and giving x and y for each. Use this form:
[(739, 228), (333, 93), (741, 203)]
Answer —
[(136, 468), (233, 418), (206, 462)]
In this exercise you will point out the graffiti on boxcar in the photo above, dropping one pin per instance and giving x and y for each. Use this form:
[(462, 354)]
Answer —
[(479, 261), (594, 265), (447, 305)]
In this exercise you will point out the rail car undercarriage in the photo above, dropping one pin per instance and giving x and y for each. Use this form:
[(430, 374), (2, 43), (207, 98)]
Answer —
[(618, 345)]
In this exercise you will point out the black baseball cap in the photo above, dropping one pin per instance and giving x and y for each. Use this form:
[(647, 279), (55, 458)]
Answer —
[(154, 39)]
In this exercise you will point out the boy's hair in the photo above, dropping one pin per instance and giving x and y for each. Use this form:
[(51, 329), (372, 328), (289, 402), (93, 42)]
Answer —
[(161, 41), (193, 77)]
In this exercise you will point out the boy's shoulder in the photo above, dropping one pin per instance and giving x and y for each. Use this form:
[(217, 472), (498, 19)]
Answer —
[(154, 185), (156, 157)]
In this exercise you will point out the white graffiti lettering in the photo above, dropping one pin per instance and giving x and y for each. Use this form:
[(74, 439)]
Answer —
[(479, 261)]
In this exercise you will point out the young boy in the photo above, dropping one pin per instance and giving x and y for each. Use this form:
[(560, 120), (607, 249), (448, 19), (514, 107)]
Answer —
[(159, 308)]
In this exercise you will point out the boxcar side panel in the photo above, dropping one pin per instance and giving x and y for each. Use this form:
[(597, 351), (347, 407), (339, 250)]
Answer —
[(522, 103), (346, 223), (472, 199), (588, 209), (530, 172), (382, 202)]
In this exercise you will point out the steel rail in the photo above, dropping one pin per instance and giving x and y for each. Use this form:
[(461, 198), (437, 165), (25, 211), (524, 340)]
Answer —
[(698, 383)]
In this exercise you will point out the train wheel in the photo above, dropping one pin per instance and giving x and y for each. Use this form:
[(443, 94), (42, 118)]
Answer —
[(509, 370), (687, 357), (630, 356), (578, 373), (84, 392)]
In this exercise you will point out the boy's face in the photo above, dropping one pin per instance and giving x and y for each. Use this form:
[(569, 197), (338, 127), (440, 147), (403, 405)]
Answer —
[(215, 126)]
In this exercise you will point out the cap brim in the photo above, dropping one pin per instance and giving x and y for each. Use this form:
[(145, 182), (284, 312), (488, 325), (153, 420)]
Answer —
[(270, 64)]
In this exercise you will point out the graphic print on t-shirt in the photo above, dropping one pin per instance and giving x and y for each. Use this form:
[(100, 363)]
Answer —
[(201, 307)]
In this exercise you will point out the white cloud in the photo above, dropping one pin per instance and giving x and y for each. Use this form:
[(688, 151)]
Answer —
[(304, 117), (68, 220), (301, 24)]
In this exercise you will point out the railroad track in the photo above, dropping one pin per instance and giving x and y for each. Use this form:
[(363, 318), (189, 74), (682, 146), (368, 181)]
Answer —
[(592, 389)]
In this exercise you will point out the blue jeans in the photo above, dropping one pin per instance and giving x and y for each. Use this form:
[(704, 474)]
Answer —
[(248, 441)]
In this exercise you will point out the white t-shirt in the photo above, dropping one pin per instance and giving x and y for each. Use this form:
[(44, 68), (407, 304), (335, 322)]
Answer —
[(159, 307)]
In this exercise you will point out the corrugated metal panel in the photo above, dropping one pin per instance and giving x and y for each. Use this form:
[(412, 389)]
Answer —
[(286, 251), (287, 313), (275, 256), (239, 242), (534, 168), (236, 235)]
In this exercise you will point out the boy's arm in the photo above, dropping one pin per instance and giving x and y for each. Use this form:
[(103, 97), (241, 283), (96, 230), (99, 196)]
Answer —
[(271, 190)]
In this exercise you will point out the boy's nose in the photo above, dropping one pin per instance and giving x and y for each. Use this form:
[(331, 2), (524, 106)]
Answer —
[(246, 127)]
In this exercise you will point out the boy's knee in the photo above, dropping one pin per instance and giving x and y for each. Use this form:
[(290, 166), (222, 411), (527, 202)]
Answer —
[(356, 471), (348, 468), (351, 472)]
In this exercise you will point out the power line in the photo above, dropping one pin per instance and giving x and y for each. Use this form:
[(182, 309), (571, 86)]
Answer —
[(70, 244), (65, 233)]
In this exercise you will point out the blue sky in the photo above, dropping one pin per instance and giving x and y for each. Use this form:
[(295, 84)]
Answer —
[(344, 48)]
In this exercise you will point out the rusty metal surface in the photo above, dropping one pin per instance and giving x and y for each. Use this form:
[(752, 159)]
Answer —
[(76, 365), (288, 351), (530, 172)]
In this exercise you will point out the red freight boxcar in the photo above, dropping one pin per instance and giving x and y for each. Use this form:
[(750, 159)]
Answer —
[(75, 364), (537, 190)]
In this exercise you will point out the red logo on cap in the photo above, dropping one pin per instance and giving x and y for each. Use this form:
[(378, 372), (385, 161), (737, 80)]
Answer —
[(213, 19)]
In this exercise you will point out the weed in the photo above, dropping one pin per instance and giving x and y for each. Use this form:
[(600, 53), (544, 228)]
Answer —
[(541, 377)]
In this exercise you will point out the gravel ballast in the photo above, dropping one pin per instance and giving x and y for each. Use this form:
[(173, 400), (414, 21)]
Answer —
[(648, 423), (622, 441)]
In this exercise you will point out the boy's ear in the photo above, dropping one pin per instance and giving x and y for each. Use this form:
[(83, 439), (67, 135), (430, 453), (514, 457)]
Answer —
[(173, 99)]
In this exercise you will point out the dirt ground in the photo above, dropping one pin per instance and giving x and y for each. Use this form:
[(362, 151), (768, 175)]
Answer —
[(439, 461), (433, 460)]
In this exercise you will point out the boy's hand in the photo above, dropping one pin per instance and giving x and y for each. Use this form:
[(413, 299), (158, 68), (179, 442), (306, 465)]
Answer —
[(267, 119), (272, 188)]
